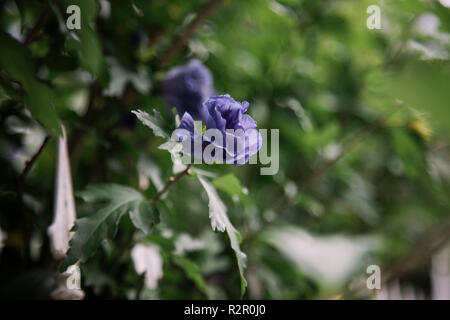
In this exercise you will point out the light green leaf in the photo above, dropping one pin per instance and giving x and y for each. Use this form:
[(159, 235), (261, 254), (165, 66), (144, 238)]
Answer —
[(230, 184), (220, 222), (192, 271), (153, 121), (90, 231), (91, 55)]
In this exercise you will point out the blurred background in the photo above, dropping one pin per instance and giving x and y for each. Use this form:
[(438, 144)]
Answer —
[(364, 121)]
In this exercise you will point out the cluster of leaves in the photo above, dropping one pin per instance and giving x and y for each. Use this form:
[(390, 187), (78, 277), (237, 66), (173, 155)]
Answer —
[(308, 68)]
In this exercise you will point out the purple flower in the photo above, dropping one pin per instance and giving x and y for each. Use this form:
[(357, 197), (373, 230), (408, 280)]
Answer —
[(230, 136), (187, 87)]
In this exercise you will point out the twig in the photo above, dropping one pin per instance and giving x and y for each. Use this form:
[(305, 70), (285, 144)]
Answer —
[(172, 181), (29, 163), (20, 191), (348, 146), (189, 31), (129, 242), (42, 20), (433, 239)]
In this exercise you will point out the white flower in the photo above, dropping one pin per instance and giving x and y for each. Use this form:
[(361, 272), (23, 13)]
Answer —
[(148, 260)]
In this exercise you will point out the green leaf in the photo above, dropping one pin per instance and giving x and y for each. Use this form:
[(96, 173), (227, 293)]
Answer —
[(153, 121), (16, 61), (175, 149), (220, 222), (144, 216), (90, 53), (40, 99), (424, 85), (21, 8), (90, 231), (229, 184), (192, 271), (409, 150)]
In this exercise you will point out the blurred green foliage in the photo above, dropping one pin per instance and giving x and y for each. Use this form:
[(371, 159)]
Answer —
[(311, 69)]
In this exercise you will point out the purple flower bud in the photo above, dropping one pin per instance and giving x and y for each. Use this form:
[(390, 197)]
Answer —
[(228, 130), (187, 87)]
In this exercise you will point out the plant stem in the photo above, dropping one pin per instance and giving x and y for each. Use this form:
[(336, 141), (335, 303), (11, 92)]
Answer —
[(29, 163), (42, 20), (20, 191), (172, 181)]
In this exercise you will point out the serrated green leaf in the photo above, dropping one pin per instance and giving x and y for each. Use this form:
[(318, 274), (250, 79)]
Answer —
[(230, 184), (174, 148), (144, 215), (153, 121), (220, 222), (90, 231), (192, 271)]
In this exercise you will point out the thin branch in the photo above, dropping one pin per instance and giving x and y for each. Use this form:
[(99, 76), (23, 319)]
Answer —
[(27, 226), (436, 237), (130, 93), (42, 20), (172, 181), (29, 163), (433, 239), (188, 32), (127, 245), (348, 146)]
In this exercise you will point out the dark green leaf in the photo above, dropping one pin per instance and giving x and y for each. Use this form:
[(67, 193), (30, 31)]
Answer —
[(16, 61), (230, 184), (90, 53), (192, 271), (90, 231)]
